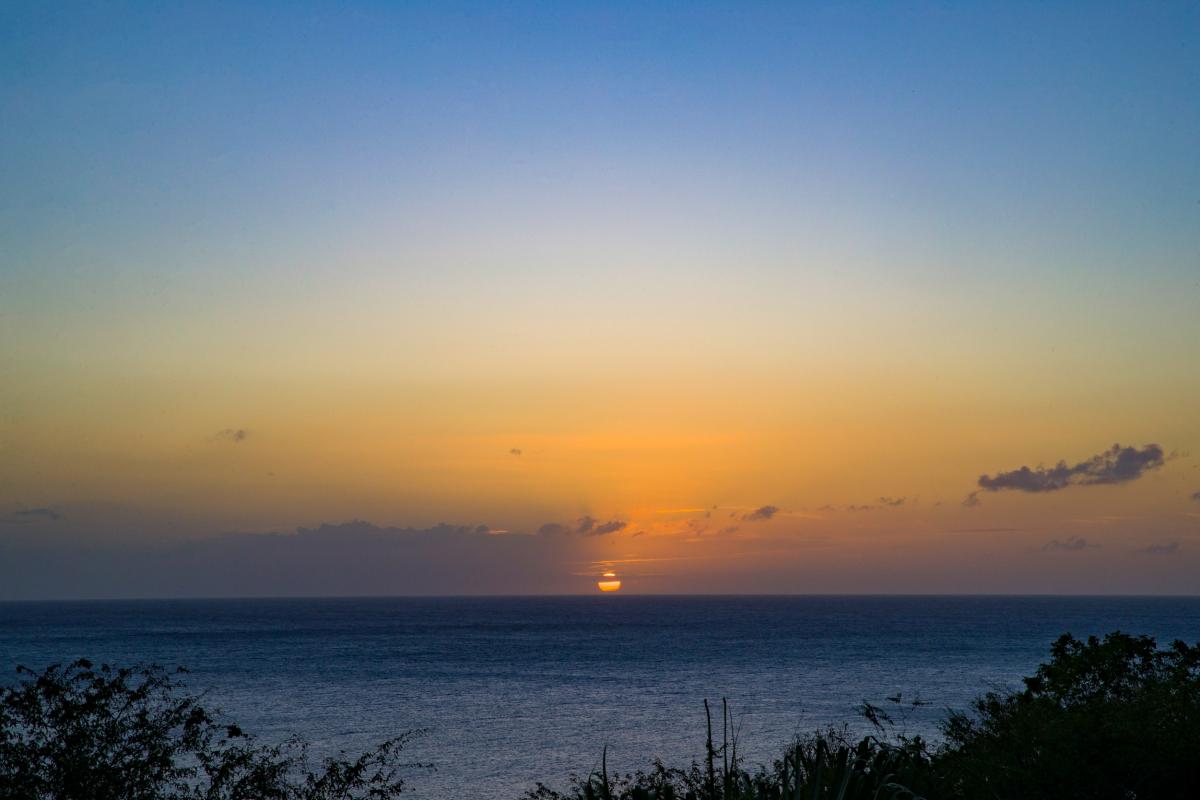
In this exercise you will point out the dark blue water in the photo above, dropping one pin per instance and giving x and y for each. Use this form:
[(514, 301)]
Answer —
[(515, 690)]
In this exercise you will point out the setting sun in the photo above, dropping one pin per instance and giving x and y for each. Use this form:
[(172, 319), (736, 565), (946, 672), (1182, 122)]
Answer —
[(609, 582)]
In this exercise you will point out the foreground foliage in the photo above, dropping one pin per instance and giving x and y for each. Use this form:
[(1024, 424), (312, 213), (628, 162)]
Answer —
[(1110, 719), (1114, 718), (81, 732)]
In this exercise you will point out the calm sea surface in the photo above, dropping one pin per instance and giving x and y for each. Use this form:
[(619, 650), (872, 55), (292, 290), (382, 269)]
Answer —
[(515, 690)]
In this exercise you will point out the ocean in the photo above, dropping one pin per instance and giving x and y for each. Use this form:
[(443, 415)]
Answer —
[(512, 690)]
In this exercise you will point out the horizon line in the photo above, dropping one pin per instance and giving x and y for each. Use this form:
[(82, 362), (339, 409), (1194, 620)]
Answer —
[(601, 597)]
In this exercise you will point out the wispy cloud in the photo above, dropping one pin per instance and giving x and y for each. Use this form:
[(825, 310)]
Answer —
[(880, 503), (515, 451), (760, 514), (985, 530), (232, 435), (612, 526), (1196, 496), (27, 515), (584, 526), (1070, 544), (1164, 549)]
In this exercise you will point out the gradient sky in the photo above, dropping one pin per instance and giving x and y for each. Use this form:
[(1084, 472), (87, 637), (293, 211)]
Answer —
[(760, 290)]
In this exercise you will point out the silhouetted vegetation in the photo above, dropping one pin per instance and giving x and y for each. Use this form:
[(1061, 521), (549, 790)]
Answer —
[(1113, 718), (100, 733)]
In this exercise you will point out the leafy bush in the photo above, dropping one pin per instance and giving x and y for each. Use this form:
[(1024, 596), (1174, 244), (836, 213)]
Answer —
[(1112, 718), (85, 733)]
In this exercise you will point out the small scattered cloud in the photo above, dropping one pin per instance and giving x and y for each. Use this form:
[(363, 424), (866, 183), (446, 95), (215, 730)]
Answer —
[(1070, 544), (986, 530), (515, 451), (1116, 465), (1196, 497), (612, 526), (1164, 549), (28, 515), (584, 526), (972, 500), (730, 529), (232, 435), (881, 503), (760, 514)]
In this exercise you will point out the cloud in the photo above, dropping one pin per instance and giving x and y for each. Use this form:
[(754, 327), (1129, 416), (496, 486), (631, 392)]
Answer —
[(1164, 549), (985, 530), (1072, 544), (1196, 496), (34, 515), (515, 451), (232, 435), (1115, 465), (972, 500), (584, 526), (760, 514), (879, 504), (342, 559), (612, 526)]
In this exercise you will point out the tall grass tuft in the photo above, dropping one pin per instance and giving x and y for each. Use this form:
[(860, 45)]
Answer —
[(823, 766)]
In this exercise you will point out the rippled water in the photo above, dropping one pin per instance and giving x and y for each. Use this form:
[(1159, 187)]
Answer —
[(515, 690)]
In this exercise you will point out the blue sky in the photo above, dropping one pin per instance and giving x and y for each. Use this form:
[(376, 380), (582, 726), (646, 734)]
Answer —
[(849, 246)]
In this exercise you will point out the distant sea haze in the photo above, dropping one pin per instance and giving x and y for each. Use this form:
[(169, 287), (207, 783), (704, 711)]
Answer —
[(518, 690)]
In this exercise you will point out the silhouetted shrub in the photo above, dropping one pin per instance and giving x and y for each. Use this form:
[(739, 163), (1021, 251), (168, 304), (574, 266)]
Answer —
[(85, 733), (1112, 718)]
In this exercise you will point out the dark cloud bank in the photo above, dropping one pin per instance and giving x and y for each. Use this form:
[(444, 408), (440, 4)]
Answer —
[(347, 559)]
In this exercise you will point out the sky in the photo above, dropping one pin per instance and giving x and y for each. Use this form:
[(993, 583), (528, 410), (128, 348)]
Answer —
[(382, 298)]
